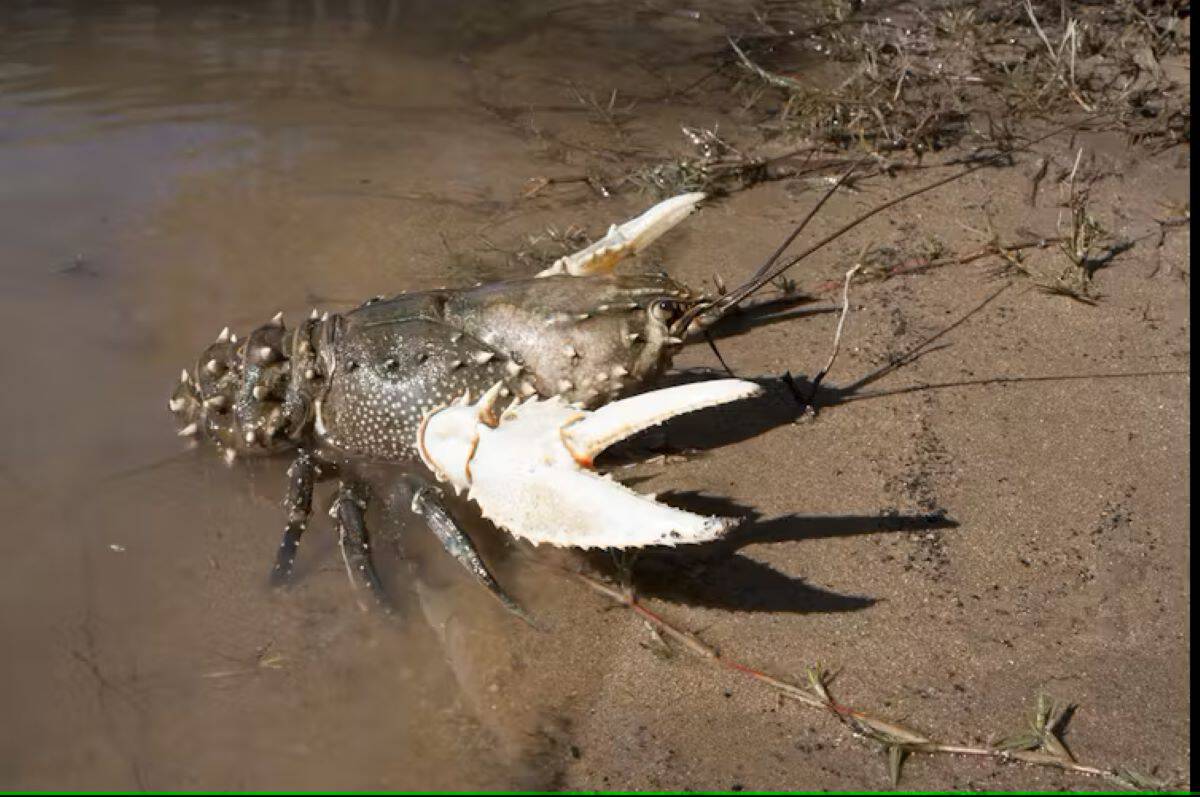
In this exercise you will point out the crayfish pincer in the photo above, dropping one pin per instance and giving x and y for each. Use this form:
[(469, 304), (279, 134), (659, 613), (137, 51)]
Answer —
[(557, 362)]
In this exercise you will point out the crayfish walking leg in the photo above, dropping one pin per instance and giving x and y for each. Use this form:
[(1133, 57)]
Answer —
[(298, 504), (347, 510), (427, 503)]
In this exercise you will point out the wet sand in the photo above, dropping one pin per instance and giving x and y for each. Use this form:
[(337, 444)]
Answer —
[(168, 170)]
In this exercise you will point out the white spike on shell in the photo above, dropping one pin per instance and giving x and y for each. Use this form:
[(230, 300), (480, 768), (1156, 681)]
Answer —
[(628, 239), (529, 468)]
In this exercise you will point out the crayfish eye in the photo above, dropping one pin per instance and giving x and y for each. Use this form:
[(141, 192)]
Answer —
[(665, 310)]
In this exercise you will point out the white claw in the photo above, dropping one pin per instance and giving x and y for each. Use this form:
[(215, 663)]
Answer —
[(188, 430), (224, 336), (277, 319), (586, 438), (529, 468), (628, 239)]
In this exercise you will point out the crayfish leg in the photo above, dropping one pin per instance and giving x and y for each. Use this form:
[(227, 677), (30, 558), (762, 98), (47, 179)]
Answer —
[(302, 474), (348, 509), (428, 504)]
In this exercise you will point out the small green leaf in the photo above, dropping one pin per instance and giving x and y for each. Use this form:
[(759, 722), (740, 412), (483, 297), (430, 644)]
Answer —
[(1044, 709), (816, 679), (1136, 780), (896, 756), (1053, 745), (1019, 741)]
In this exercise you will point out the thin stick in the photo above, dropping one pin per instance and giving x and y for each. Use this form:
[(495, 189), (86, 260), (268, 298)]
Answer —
[(861, 723), (691, 641), (837, 337)]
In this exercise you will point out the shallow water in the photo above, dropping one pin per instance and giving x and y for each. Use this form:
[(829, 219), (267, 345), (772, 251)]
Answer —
[(172, 167), (167, 168)]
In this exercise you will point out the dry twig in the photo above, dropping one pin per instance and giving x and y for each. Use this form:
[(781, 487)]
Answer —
[(1040, 746)]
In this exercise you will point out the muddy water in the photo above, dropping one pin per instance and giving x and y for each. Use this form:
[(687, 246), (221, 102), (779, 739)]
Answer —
[(169, 168)]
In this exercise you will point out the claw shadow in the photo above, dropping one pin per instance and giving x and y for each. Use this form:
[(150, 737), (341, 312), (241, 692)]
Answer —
[(734, 582), (714, 575)]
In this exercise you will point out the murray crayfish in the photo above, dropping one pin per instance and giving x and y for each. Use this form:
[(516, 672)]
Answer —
[(554, 362)]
